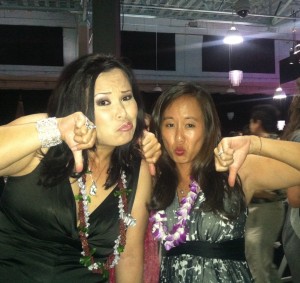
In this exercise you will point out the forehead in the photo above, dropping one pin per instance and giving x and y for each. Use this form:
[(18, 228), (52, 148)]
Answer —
[(186, 105), (112, 78)]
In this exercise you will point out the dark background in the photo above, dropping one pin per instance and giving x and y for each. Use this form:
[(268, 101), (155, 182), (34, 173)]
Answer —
[(34, 101), (34, 45), (31, 45)]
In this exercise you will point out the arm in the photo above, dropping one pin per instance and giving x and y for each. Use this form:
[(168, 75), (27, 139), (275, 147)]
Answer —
[(151, 150), (236, 150), (260, 173), (131, 264), (293, 195), (265, 194), (20, 142)]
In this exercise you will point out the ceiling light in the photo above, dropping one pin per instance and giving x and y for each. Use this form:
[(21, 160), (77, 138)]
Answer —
[(279, 94), (292, 57), (230, 90), (233, 36), (157, 88)]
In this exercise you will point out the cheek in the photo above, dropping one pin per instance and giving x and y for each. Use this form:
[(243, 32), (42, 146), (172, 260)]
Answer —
[(168, 141), (102, 118), (196, 141), (133, 108)]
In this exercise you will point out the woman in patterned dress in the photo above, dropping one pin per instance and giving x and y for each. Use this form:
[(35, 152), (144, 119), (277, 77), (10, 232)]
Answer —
[(200, 214)]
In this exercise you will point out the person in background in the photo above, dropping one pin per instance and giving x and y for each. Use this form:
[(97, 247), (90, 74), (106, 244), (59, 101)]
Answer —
[(198, 215), (74, 206), (266, 208), (291, 228)]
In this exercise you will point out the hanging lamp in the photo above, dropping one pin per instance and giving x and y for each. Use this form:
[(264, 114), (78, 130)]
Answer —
[(233, 36), (279, 93)]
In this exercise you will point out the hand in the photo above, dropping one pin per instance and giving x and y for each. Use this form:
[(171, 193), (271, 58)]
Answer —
[(230, 154), (151, 150), (76, 134)]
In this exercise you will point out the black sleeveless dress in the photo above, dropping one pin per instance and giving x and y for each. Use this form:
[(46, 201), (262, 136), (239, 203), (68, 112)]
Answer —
[(39, 241)]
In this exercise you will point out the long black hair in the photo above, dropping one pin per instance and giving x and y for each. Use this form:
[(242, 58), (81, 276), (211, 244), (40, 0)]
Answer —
[(75, 92), (214, 184)]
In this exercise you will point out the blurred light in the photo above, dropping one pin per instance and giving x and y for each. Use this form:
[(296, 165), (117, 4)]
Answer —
[(235, 77), (292, 57), (230, 90), (279, 94), (280, 124), (157, 88), (233, 36)]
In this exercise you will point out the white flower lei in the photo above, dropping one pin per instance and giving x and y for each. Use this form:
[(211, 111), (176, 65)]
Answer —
[(124, 217), (180, 232)]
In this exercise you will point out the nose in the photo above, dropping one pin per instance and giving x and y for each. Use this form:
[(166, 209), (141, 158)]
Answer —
[(179, 134), (121, 111)]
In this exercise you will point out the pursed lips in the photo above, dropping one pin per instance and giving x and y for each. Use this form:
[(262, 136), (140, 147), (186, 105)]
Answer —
[(127, 126), (179, 150)]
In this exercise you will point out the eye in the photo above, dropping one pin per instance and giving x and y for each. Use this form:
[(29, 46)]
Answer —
[(190, 125), (127, 97), (102, 102), (169, 125)]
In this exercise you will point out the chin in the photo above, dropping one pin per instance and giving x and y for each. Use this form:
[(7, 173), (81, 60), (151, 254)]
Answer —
[(125, 138)]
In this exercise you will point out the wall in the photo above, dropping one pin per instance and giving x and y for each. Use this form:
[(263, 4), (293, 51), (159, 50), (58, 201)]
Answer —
[(189, 58)]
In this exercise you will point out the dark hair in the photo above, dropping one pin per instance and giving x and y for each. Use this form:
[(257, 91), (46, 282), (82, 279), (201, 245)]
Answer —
[(268, 115), (294, 119), (214, 184), (75, 92)]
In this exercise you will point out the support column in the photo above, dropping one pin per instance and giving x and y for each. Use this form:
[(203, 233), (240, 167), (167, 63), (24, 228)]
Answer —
[(106, 27), (83, 39)]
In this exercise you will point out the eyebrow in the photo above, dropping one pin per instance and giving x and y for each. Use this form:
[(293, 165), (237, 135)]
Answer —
[(108, 92), (186, 118)]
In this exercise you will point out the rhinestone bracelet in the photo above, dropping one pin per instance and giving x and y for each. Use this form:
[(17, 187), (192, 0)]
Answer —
[(48, 132)]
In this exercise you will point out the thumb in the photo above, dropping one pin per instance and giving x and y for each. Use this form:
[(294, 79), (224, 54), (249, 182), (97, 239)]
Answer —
[(152, 169), (232, 176), (78, 160)]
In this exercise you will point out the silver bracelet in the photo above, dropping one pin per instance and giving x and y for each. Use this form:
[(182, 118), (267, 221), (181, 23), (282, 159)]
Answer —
[(48, 132)]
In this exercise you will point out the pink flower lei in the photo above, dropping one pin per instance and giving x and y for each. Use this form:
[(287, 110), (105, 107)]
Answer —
[(180, 232)]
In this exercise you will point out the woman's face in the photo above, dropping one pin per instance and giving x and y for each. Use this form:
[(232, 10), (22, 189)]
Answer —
[(115, 109), (182, 129)]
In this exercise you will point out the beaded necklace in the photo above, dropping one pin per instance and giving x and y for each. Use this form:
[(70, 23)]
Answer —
[(180, 232), (125, 220)]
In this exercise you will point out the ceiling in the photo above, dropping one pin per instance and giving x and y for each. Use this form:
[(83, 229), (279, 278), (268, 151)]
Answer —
[(46, 5), (261, 12)]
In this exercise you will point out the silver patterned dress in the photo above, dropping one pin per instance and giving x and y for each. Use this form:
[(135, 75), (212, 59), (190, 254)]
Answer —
[(212, 228)]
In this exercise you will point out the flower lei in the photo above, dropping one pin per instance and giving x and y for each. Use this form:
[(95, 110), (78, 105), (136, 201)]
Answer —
[(125, 220), (180, 232)]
